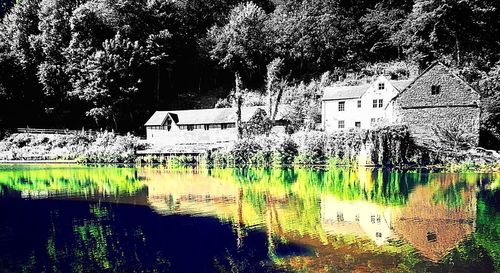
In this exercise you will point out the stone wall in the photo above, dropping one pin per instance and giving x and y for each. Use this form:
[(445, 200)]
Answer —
[(427, 124), (454, 112)]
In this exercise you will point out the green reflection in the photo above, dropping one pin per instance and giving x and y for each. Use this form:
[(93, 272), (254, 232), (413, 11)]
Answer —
[(352, 218), (38, 181), (413, 219)]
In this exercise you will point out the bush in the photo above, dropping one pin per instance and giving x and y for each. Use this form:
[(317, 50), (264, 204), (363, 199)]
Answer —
[(243, 150), (100, 148), (285, 153), (311, 147)]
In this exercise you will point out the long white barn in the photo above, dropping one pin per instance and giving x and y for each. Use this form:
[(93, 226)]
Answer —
[(200, 125)]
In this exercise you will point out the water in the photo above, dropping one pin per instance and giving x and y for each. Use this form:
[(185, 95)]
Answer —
[(108, 219)]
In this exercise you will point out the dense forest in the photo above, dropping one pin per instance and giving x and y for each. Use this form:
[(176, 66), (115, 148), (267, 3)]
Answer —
[(111, 63)]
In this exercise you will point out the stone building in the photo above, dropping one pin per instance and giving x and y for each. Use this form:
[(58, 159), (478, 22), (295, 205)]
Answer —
[(438, 106)]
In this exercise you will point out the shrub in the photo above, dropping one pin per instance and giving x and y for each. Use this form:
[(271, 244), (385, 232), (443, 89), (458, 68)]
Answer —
[(311, 147), (243, 150), (101, 148), (285, 153)]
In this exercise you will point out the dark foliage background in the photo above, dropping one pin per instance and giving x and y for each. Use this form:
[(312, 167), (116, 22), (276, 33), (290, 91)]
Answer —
[(111, 63)]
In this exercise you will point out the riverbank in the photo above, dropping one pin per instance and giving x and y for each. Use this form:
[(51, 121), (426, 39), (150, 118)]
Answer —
[(390, 147), (102, 147)]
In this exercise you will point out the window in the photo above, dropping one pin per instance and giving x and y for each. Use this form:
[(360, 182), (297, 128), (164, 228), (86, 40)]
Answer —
[(378, 103), (357, 124), (169, 123), (356, 218), (340, 217), (431, 236), (381, 86), (341, 105), (372, 218), (378, 234), (206, 127), (435, 89), (223, 126), (341, 124), (359, 103), (190, 127), (372, 121)]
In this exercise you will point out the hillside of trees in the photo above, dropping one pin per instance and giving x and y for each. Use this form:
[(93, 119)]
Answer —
[(111, 63)]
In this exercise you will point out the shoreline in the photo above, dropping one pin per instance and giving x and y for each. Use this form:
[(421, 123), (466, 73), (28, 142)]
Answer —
[(448, 168), (35, 161)]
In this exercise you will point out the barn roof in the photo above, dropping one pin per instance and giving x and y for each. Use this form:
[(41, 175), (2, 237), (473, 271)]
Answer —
[(357, 91), (207, 116)]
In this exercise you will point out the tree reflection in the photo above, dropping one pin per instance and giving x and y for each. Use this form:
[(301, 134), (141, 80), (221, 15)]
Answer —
[(416, 217)]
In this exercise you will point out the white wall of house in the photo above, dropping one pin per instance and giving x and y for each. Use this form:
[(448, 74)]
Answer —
[(176, 136), (365, 116)]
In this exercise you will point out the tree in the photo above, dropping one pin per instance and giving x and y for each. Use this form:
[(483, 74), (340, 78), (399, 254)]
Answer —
[(110, 79), (18, 64), (450, 29), (54, 36), (274, 88), (489, 87), (379, 26), (313, 36), (240, 46)]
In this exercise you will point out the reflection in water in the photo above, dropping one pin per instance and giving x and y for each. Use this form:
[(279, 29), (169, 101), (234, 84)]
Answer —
[(251, 220)]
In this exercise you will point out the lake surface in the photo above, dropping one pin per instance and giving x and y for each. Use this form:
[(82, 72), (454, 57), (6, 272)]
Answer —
[(60, 218)]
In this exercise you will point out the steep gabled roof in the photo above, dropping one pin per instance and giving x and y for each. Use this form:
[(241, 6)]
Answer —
[(157, 119), (427, 70), (208, 116)]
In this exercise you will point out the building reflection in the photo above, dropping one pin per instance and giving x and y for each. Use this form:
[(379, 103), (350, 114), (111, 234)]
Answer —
[(359, 218), (435, 216), (433, 226)]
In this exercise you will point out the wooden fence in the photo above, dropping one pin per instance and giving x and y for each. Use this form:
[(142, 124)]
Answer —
[(54, 131)]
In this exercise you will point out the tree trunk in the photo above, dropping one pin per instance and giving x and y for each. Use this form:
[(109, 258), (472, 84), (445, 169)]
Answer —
[(239, 102), (239, 224), (157, 93), (458, 48), (115, 123), (276, 105)]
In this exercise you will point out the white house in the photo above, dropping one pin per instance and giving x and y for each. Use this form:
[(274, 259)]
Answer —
[(361, 106), (358, 218), (197, 126)]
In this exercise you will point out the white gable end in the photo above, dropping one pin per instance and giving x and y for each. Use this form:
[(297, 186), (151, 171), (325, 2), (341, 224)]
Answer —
[(363, 112)]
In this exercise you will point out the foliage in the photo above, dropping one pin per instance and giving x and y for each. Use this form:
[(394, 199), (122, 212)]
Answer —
[(489, 87), (119, 60), (305, 105), (239, 45), (70, 179), (259, 124), (102, 147)]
